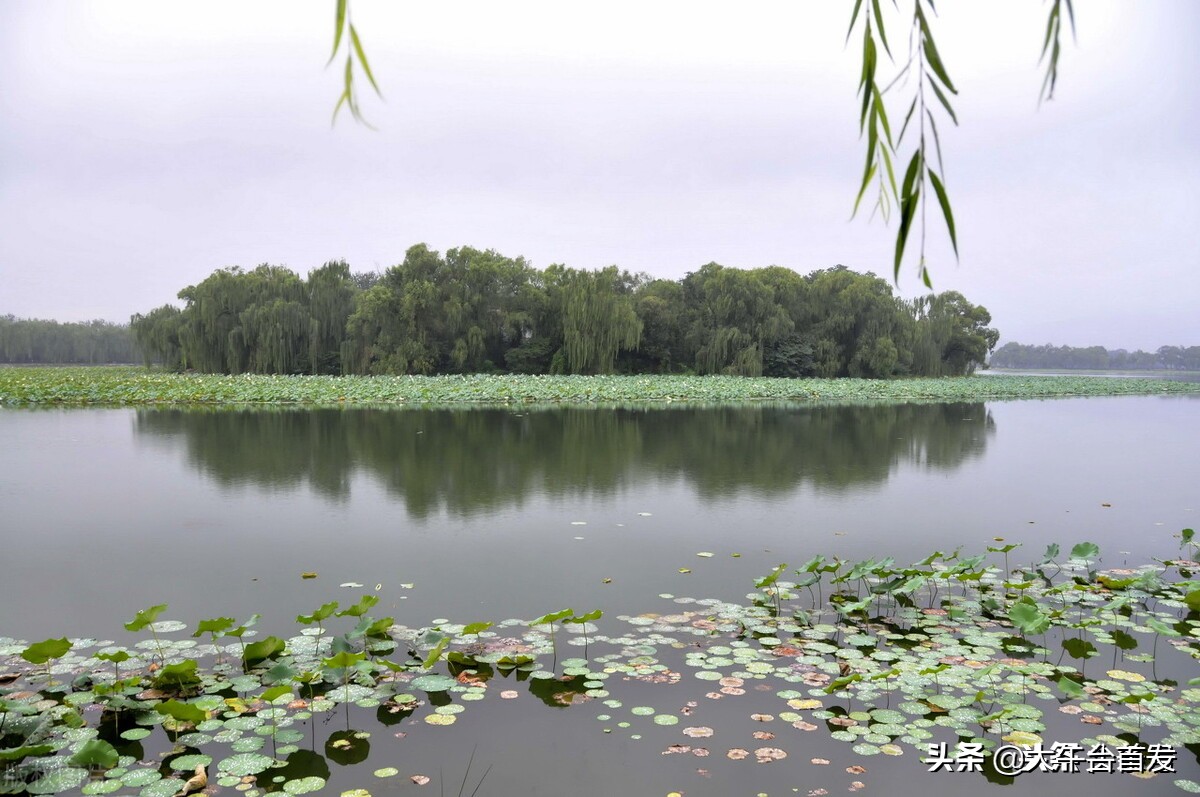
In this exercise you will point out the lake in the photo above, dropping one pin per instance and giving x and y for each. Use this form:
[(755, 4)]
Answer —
[(488, 514)]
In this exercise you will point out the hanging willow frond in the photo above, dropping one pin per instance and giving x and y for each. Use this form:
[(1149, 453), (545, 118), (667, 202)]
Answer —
[(925, 61), (1051, 46), (355, 52)]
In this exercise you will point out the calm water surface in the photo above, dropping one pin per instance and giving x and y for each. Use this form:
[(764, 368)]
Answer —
[(490, 514)]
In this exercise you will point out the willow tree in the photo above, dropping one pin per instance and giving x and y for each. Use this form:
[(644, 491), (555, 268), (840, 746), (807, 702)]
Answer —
[(225, 328), (489, 304), (952, 335), (275, 335), (734, 317), (598, 319), (857, 326), (331, 292), (157, 335)]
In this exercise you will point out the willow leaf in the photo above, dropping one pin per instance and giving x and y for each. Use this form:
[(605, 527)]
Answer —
[(866, 181), (944, 100), (1051, 22), (881, 111), (887, 162), (882, 32), (853, 18), (935, 62), (907, 119), (362, 58), (937, 139), (338, 27), (908, 208), (910, 175)]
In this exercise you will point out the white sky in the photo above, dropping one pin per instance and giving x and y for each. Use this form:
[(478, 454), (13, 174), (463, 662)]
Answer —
[(144, 144)]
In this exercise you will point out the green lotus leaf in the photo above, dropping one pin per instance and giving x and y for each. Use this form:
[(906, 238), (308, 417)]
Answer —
[(1026, 615), (180, 675), (1085, 551), (188, 763), (264, 649), (433, 683), (140, 777), (96, 753), (245, 764), (59, 780), (184, 712), (42, 652), (145, 617), (167, 787)]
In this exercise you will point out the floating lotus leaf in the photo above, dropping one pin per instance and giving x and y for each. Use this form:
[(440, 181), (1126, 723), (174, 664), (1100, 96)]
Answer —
[(167, 787), (140, 777), (167, 627), (244, 723), (1023, 738), (1125, 675), (434, 683), (188, 763), (59, 780), (353, 693), (246, 764), (304, 785), (249, 744)]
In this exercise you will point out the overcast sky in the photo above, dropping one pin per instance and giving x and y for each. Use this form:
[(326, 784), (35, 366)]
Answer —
[(144, 144)]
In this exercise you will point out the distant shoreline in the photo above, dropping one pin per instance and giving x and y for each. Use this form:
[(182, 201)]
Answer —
[(1104, 372)]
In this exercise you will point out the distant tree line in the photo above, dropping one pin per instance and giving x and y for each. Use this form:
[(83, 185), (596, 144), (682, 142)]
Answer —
[(1166, 358), (473, 311), (33, 340)]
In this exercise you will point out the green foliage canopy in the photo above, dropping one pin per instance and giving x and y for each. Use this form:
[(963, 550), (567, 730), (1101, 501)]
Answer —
[(473, 311)]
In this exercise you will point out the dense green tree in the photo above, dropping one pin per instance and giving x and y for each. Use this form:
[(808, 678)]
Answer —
[(477, 311), (460, 313), (237, 321), (157, 334), (734, 316), (953, 335), (660, 306), (331, 291), (598, 319), (856, 326)]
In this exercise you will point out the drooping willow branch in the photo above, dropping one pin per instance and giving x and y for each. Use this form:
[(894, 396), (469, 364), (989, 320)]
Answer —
[(924, 61), (1051, 46), (354, 52), (931, 88)]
